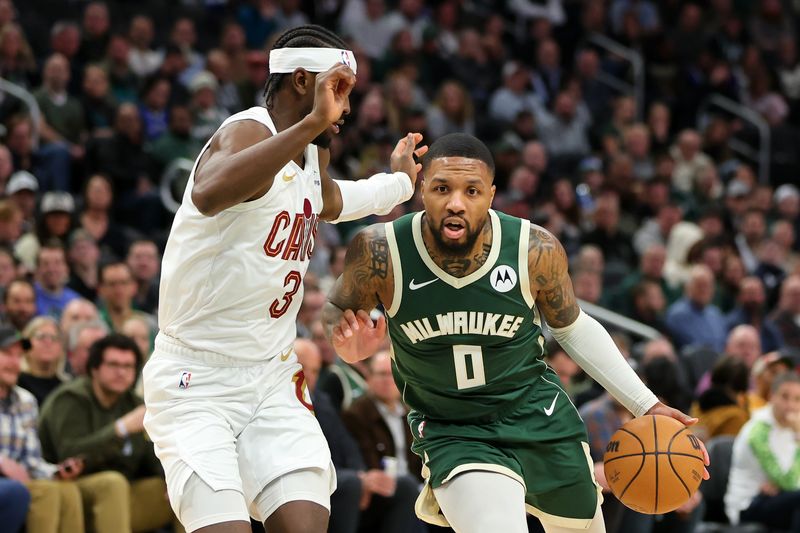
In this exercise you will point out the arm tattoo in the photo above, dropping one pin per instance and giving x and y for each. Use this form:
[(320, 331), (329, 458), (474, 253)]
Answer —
[(379, 257), (549, 269)]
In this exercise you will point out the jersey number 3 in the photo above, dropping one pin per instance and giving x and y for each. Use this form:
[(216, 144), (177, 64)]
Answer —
[(292, 284), (469, 366)]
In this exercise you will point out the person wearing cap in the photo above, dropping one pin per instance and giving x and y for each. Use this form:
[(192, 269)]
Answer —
[(515, 95), (54, 224), (21, 189), (234, 292), (763, 373), (206, 114)]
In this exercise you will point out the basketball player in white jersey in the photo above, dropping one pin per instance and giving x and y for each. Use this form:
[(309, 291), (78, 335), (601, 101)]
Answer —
[(227, 406)]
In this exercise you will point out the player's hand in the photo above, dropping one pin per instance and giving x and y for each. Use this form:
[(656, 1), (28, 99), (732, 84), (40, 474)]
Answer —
[(690, 505), (356, 336), (331, 93), (402, 159), (600, 476), (70, 468), (661, 409), (14, 470)]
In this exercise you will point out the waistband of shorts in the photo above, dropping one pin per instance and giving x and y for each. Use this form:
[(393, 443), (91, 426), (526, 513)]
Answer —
[(174, 349)]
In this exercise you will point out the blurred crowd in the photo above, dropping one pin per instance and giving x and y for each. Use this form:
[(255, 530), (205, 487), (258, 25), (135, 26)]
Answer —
[(676, 212)]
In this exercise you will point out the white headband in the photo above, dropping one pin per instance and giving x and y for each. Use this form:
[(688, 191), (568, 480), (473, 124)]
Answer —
[(283, 60)]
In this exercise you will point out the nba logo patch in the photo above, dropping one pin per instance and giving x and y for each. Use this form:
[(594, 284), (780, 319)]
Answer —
[(346, 58), (184, 382)]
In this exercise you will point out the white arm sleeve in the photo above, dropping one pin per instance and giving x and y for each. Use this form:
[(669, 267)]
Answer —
[(590, 345), (376, 195)]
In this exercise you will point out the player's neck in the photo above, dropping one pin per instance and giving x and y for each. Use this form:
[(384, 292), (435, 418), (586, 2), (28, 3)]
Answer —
[(456, 264)]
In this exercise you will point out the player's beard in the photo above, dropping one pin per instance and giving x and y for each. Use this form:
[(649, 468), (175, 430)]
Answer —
[(458, 248), (323, 140)]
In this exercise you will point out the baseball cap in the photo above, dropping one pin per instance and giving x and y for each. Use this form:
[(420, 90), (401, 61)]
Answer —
[(22, 180), (8, 337), (785, 191), (765, 361), (203, 80), (57, 201), (737, 188)]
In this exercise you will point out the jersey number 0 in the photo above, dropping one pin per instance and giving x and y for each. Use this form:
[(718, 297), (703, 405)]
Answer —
[(469, 366)]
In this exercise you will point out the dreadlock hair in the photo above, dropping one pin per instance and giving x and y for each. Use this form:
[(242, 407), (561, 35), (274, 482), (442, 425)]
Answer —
[(308, 36)]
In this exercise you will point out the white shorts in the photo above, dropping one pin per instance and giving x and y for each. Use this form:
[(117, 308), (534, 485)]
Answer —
[(237, 425)]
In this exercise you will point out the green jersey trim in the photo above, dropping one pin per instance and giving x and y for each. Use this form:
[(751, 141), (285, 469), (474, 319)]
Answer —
[(416, 229), (397, 269)]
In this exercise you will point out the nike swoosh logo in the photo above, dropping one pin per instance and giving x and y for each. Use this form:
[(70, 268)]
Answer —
[(285, 356), (414, 286), (549, 411), (288, 177)]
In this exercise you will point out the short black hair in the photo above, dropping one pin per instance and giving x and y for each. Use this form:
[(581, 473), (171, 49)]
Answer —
[(459, 145), (307, 36), (114, 340), (101, 272)]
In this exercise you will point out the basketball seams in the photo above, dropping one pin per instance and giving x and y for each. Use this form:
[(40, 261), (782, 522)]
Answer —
[(655, 445), (672, 466), (686, 487), (680, 454), (641, 466)]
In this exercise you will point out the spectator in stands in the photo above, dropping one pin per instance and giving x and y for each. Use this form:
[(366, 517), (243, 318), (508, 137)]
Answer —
[(98, 416), (81, 337), (116, 290), (207, 116), (97, 221), (565, 130), (83, 258), (55, 501), (744, 342), (588, 286), (44, 358), (96, 33), (144, 262), (515, 95), (693, 319), (53, 226), (10, 223), (99, 105), (651, 269), (377, 421), (52, 274), (722, 408), (609, 237), (50, 164), (20, 304), (21, 190), (451, 112), (690, 161), (17, 63), (142, 58), (77, 311), (787, 314), (750, 236), (763, 486), (141, 330), (751, 309), (176, 143), (8, 272), (62, 113), (763, 374)]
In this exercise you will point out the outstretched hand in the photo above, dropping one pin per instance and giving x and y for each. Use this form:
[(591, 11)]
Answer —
[(683, 418), (402, 158), (356, 336)]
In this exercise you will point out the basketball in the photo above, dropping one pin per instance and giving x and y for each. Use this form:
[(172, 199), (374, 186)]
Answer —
[(653, 464)]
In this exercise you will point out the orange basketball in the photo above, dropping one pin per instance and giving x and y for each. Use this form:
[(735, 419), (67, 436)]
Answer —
[(653, 464)]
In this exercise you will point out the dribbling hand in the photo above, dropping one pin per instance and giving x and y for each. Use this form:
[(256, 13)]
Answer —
[(661, 409), (331, 93), (357, 336), (402, 158)]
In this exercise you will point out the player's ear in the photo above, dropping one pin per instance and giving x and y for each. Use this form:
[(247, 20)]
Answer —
[(491, 192), (302, 81)]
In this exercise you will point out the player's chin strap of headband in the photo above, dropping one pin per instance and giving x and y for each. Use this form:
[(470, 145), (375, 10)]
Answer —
[(285, 60), (590, 345)]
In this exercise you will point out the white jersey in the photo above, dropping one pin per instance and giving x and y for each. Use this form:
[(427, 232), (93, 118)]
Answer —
[(232, 283)]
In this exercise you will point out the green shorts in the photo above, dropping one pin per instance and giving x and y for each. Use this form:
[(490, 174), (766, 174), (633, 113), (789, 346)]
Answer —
[(541, 443)]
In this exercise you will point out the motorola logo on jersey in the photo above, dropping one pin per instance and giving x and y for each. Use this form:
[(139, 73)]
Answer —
[(503, 278)]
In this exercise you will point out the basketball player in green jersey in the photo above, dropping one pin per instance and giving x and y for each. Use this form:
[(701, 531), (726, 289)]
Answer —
[(465, 290)]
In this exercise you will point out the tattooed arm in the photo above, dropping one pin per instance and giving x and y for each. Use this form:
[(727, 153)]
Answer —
[(367, 280), (548, 270)]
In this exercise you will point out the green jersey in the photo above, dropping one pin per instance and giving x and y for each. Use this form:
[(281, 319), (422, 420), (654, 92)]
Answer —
[(465, 349)]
